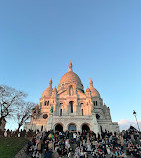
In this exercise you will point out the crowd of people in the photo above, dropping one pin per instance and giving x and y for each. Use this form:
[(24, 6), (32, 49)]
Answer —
[(74, 144), (86, 144), (133, 142), (21, 133)]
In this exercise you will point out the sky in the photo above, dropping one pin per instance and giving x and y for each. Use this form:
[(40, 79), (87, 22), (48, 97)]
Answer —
[(38, 38)]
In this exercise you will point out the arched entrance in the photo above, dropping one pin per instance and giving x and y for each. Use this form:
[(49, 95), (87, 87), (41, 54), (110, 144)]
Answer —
[(59, 127), (72, 127), (85, 127)]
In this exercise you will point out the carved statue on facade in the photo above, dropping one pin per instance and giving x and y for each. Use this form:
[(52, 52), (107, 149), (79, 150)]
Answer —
[(51, 109)]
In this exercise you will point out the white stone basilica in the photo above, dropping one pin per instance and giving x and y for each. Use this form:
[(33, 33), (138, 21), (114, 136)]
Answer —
[(70, 108)]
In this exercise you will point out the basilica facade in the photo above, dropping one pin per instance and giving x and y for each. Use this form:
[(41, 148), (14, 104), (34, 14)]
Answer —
[(69, 107)]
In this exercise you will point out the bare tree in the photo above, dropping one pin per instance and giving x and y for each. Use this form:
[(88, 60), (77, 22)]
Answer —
[(13, 105), (24, 112), (10, 99)]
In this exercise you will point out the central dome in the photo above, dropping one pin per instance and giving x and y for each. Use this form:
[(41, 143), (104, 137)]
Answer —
[(70, 77)]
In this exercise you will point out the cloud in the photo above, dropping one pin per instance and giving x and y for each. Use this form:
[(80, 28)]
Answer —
[(125, 124)]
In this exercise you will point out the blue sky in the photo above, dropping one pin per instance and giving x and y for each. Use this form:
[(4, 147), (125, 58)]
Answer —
[(101, 38)]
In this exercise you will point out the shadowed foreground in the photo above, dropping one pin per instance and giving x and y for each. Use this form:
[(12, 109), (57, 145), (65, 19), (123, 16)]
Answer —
[(9, 147)]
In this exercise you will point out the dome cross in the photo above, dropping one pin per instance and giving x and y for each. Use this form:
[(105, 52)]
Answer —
[(70, 66)]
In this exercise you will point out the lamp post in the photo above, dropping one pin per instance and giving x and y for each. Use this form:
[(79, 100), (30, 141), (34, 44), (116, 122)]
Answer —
[(134, 113)]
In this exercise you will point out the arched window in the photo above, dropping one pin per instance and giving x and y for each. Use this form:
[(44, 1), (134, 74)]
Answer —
[(71, 105), (60, 112), (45, 103), (95, 103), (48, 103), (82, 112)]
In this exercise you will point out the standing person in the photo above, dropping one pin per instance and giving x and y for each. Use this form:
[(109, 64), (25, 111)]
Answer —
[(132, 138), (85, 155), (55, 154), (78, 151), (67, 143), (70, 154), (39, 147), (5, 134), (74, 136), (121, 142), (81, 153), (108, 151), (48, 154), (46, 145)]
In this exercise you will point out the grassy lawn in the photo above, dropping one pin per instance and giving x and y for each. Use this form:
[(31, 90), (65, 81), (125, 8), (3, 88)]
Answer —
[(10, 146)]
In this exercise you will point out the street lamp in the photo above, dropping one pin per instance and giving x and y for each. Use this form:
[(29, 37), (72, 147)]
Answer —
[(134, 113)]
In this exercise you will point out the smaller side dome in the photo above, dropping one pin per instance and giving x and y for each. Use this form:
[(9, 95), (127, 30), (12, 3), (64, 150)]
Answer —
[(48, 91), (94, 92), (88, 89), (54, 89)]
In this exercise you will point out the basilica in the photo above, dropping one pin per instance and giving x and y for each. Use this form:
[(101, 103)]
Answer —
[(70, 107)]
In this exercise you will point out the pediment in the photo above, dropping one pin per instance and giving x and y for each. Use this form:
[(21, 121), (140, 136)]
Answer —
[(81, 94), (62, 93)]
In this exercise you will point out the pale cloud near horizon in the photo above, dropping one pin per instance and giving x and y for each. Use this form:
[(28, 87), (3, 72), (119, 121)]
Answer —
[(125, 124)]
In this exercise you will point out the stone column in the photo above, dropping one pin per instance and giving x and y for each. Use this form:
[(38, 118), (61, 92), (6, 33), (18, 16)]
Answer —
[(65, 126), (79, 127), (50, 122)]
